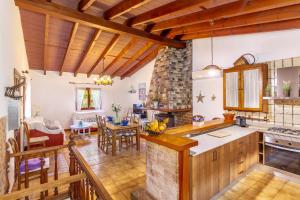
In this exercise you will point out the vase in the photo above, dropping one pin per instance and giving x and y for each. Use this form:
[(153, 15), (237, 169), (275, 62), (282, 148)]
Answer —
[(268, 93), (286, 93), (117, 119)]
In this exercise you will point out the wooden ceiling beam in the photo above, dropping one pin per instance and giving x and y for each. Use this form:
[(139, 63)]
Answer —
[(125, 67), (72, 37), (164, 11), (85, 4), (273, 26), (88, 50), (123, 7), (123, 52), (46, 35), (268, 16), (108, 48), (142, 63), (228, 10), (69, 14)]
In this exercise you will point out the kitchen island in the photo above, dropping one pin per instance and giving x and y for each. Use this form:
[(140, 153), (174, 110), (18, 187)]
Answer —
[(218, 161), (187, 163)]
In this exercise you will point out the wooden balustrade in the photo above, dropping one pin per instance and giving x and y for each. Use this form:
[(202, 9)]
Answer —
[(25, 157), (89, 188), (41, 188), (83, 182)]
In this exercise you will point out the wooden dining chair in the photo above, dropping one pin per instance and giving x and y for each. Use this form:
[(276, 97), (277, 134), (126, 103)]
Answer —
[(29, 167), (129, 135), (106, 135), (100, 131), (34, 142)]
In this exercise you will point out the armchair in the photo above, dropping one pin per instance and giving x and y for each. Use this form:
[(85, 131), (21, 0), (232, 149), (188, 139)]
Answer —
[(38, 128)]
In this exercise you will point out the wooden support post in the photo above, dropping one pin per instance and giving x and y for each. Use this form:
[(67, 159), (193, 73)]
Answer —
[(72, 164)]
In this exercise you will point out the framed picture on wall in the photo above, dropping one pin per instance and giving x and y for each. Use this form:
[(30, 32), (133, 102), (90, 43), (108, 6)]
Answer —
[(142, 91)]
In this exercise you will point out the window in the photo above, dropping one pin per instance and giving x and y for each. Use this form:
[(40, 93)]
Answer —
[(88, 99)]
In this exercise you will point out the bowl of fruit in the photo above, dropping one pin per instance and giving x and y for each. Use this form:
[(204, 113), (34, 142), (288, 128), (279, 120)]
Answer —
[(156, 127)]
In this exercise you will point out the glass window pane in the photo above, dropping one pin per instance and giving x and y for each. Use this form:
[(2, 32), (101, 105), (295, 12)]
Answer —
[(85, 100), (232, 97), (251, 88)]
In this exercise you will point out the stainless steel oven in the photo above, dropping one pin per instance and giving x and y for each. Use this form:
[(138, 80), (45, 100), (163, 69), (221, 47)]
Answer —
[(282, 152)]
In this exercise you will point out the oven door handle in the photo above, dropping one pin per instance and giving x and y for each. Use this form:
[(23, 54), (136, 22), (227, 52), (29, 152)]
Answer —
[(283, 148)]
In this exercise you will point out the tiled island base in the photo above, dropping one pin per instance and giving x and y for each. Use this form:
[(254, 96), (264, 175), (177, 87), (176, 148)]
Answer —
[(162, 172)]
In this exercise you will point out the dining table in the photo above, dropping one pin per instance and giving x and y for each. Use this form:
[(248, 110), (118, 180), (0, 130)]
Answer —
[(115, 129)]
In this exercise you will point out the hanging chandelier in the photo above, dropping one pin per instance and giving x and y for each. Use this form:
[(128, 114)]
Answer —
[(103, 79)]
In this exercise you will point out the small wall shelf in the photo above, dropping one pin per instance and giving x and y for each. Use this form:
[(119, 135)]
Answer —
[(284, 100), (281, 98)]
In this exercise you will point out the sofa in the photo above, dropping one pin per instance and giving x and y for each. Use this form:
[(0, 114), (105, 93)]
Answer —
[(41, 127)]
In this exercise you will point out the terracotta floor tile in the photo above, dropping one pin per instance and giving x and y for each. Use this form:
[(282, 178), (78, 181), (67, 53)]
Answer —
[(266, 187), (246, 197), (252, 192), (118, 196), (231, 194), (285, 196), (240, 188), (291, 189)]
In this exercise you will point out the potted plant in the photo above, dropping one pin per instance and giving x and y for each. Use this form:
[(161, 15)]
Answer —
[(116, 108), (286, 88), (268, 90)]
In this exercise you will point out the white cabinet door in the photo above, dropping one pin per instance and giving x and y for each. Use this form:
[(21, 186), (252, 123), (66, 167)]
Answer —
[(232, 89)]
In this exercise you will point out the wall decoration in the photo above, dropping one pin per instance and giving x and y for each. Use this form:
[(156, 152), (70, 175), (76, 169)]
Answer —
[(200, 97), (132, 90), (142, 91), (213, 97)]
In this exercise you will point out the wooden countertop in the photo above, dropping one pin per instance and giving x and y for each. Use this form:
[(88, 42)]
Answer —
[(173, 137)]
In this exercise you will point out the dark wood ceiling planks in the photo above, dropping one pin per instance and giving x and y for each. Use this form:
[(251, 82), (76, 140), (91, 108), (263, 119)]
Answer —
[(78, 35)]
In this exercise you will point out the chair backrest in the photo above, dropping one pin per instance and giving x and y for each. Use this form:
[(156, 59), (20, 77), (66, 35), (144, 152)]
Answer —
[(15, 149), (27, 131), (14, 145), (101, 122)]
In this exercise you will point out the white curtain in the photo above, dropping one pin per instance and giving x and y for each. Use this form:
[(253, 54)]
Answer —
[(232, 96), (96, 95), (251, 88), (79, 98)]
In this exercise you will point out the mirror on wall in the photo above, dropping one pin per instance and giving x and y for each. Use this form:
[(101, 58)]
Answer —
[(232, 86)]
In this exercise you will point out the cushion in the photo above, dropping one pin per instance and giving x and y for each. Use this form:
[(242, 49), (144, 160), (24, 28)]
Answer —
[(49, 124), (34, 164)]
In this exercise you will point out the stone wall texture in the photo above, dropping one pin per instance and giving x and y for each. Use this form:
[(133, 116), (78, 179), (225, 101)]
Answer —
[(162, 172), (3, 164), (172, 78), (171, 82)]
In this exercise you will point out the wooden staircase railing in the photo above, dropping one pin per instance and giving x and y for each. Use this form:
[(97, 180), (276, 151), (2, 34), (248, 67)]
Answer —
[(89, 188), (83, 182), (41, 188)]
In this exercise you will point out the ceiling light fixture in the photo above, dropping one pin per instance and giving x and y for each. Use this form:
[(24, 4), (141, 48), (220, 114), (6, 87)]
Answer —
[(103, 79), (210, 71)]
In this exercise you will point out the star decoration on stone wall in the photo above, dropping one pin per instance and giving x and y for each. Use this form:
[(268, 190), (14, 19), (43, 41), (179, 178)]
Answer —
[(213, 97), (200, 97)]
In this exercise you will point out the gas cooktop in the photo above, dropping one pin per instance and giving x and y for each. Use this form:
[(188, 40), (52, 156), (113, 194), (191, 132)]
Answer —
[(286, 131)]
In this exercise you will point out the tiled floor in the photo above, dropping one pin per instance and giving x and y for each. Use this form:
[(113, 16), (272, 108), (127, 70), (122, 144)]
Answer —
[(120, 174), (258, 185), (125, 172)]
